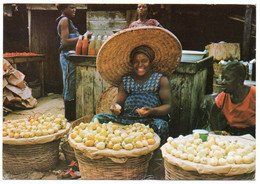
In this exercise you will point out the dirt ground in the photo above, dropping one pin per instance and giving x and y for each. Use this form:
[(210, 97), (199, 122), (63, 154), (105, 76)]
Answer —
[(54, 103)]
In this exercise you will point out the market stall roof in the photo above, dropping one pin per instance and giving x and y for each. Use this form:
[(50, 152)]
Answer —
[(51, 6)]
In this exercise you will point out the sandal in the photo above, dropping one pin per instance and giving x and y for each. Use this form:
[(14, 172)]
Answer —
[(75, 174), (74, 165), (71, 174), (67, 173)]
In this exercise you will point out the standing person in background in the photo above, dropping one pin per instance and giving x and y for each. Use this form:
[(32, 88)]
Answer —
[(143, 10), (69, 35)]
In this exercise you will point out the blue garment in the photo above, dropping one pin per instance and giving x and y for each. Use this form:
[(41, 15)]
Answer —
[(140, 95), (68, 68)]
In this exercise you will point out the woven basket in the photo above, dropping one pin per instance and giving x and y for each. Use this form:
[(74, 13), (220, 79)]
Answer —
[(107, 98), (135, 168), (68, 152), (173, 172), (19, 159)]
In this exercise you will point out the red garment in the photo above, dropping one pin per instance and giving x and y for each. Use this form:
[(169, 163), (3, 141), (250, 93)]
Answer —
[(150, 22), (239, 115)]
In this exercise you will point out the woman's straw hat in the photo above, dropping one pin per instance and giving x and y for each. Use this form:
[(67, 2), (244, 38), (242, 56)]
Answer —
[(113, 59)]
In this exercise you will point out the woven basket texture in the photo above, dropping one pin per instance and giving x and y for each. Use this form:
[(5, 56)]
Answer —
[(135, 168), (19, 159), (173, 172), (107, 98), (113, 59), (68, 152)]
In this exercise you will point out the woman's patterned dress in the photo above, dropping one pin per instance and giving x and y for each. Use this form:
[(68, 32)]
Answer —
[(145, 95)]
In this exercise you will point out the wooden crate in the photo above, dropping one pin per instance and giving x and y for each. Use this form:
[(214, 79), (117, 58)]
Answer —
[(224, 51)]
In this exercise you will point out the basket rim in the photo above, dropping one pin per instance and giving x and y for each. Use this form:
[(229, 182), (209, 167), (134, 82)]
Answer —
[(230, 169), (94, 153), (37, 140)]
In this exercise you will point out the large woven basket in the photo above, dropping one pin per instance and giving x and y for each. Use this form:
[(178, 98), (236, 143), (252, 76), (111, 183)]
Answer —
[(67, 150), (107, 98), (19, 159), (135, 168), (173, 172)]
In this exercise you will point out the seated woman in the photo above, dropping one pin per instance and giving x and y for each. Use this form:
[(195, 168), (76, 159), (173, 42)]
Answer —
[(144, 95), (237, 101)]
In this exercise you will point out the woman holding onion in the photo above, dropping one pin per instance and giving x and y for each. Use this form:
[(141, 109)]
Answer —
[(144, 92)]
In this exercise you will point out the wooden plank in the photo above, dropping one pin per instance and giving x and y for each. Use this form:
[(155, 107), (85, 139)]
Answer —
[(51, 6), (105, 85), (88, 91), (197, 95), (83, 60), (247, 32), (185, 107), (106, 24), (102, 32), (42, 76), (106, 15), (98, 87), (194, 67), (24, 59), (79, 92), (29, 29)]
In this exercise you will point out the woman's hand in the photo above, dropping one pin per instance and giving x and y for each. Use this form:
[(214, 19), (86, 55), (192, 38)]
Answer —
[(116, 109), (144, 111)]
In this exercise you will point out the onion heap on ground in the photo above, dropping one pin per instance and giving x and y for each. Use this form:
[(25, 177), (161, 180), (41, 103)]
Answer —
[(113, 136), (34, 126), (216, 151)]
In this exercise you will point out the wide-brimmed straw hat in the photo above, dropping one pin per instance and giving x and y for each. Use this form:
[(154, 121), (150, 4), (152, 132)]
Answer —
[(113, 59)]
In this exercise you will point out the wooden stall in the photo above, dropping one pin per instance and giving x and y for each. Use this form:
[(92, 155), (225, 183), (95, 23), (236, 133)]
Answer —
[(189, 85), (190, 82), (43, 39)]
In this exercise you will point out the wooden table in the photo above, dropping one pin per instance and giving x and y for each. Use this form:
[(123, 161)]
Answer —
[(15, 60), (189, 83)]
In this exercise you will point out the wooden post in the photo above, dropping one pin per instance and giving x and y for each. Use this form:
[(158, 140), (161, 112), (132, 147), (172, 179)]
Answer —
[(29, 28), (247, 32)]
